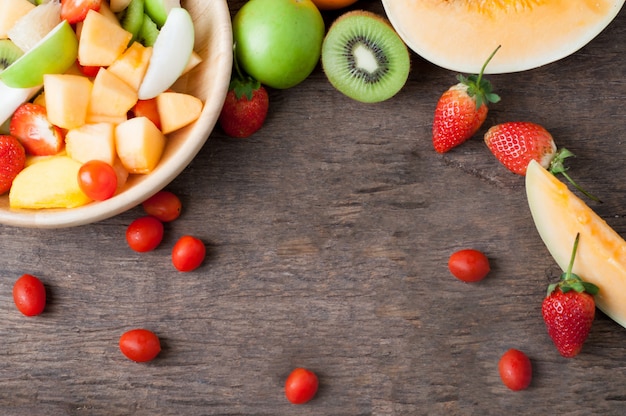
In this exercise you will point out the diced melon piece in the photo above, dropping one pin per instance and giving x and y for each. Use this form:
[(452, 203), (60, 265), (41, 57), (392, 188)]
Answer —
[(91, 142), (12, 11), (194, 61), (101, 40), (67, 98), (121, 173), (131, 66), (139, 144), (50, 183), (177, 110), (102, 118), (110, 95)]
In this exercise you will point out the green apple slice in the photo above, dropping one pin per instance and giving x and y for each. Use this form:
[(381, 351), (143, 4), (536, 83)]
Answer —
[(170, 54), (159, 9), (53, 54), (12, 98)]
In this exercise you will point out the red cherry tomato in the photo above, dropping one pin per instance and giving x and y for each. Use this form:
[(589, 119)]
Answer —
[(140, 345), (144, 234), (515, 370), (301, 386), (469, 265), (88, 71), (163, 205), (29, 295), (149, 109), (188, 253), (97, 179)]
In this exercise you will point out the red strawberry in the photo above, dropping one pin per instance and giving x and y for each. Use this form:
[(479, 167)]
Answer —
[(75, 11), (462, 110), (31, 127), (245, 107), (12, 160), (568, 310), (516, 143)]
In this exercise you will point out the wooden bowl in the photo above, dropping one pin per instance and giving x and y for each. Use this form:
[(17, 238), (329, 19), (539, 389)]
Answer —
[(208, 81)]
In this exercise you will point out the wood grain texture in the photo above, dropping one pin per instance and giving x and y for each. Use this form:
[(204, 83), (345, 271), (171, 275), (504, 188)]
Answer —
[(328, 234)]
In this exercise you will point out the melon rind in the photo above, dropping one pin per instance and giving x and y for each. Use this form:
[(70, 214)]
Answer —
[(458, 36), (601, 255)]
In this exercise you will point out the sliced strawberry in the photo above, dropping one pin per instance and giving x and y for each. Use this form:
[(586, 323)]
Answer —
[(88, 71), (12, 160), (31, 127), (75, 11)]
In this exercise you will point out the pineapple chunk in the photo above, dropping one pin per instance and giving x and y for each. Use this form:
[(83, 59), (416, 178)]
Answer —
[(132, 65), (101, 41), (91, 142), (49, 183), (110, 95), (67, 97), (35, 25), (12, 11), (139, 144), (177, 110)]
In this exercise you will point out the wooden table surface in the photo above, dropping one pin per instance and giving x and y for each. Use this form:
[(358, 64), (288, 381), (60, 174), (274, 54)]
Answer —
[(328, 236)]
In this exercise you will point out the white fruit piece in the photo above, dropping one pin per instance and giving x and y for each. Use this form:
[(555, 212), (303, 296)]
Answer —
[(49, 183), (177, 110), (101, 40), (171, 53), (35, 25), (158, 10), (139, 144), (67, 98), (110, 95), (12, 11), (91, 142), (132, 65), (12, 98)]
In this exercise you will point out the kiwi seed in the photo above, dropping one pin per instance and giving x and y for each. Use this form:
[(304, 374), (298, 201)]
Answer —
[(9, 53), (364, 58)]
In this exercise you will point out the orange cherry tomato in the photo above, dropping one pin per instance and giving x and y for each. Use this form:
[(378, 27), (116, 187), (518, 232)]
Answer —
[(97, 179), (301, 386), (163, 205), (333, 4)]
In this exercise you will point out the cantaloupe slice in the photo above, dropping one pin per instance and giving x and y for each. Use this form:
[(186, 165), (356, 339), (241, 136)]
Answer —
[(601, 256), (459, 35)]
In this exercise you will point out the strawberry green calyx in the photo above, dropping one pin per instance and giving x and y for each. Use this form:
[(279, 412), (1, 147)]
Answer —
[(479, 88), (571, 281), (242, 84), (557, 166)]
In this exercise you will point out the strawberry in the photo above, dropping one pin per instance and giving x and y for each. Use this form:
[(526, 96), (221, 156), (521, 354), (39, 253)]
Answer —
[(569, 309), (12, 160), (245, 107), (462, 110), (31, 127), (516, 143), (75, 11)]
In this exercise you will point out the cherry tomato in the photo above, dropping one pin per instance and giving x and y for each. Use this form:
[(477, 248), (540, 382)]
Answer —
[(97, 179), (301, 386), (163, 205), (469, 265), (29, 295), (140, 345), (144, 234), (515, 370), (148, 108), (88, 71), (188, 253)]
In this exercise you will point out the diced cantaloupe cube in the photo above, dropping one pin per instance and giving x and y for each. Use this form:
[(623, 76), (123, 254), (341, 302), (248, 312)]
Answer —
[(49, 183), (12, 10), (101, 41), (121, 173), (131, 66), (102, 118), (177, 110), (110, 95), (139, 144), (67, 98), (194, 61), (91, 142)]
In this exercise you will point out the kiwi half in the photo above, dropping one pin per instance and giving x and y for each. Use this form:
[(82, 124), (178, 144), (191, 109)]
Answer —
[(364, 58), (9, 52)]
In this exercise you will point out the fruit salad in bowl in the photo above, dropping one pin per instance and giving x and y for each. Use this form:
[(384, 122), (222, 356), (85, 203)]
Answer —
[(104, 102)]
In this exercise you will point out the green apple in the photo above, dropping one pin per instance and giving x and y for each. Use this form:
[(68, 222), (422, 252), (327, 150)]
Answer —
[(278, 42), (159, 9), (170, 54), (53, 54)]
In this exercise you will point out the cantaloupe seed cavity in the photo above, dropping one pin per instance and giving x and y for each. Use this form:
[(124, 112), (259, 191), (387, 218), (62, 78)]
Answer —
[(366, 61)]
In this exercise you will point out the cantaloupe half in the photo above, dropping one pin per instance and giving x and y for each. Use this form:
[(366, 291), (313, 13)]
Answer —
[(601, 255), (460, 34)]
